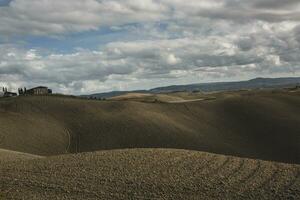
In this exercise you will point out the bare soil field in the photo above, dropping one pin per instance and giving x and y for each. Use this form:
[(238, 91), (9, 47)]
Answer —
[(148, 174), (56, 147)]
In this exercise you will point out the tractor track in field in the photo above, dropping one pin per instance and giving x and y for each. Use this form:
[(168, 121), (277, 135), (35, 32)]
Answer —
[(149, 174)]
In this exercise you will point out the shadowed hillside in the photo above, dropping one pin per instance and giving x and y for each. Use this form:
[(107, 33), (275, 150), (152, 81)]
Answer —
[(258, 124), (148, 174)]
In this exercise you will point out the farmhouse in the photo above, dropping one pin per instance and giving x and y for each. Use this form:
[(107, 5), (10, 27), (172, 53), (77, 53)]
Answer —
[(5, 93), (10, 94), (41, 90)]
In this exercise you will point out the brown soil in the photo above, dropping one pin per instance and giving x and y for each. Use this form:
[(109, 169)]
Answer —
[(263, 125), (148, 174)]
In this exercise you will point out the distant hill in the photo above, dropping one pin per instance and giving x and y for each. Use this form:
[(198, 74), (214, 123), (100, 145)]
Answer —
[(258, 83), (230, 86)]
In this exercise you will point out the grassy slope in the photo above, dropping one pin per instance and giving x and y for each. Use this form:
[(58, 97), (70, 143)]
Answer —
[(260, 125), (148, 174)]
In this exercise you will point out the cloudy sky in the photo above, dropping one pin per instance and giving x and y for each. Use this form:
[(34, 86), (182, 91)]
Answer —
[(87, 46)]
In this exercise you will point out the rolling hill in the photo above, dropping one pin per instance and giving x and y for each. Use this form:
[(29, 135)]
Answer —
[(253, 124), (152, 146), (257, 83)]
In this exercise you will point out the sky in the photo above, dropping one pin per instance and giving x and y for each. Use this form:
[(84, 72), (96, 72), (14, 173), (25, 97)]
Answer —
[(90, 46)]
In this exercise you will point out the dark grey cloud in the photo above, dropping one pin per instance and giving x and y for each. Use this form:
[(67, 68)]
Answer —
[(246, 44), (275, 4), (242, 10)]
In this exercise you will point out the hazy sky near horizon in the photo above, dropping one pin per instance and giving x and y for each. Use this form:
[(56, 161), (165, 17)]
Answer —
[(88, 46)]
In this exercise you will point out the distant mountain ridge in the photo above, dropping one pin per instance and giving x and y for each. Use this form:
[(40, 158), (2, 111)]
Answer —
[(257, 83)]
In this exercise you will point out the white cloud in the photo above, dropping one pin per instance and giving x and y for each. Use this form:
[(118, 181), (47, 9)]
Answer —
[(46, 17), (54, 17), (170, 41), (172, 59)]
